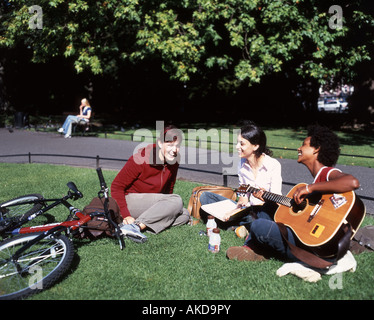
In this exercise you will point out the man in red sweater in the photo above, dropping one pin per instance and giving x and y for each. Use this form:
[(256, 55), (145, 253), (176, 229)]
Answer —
[(144, 187)]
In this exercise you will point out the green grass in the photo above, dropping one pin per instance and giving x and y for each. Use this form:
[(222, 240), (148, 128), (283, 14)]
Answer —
[(282, 142), (173, 265)]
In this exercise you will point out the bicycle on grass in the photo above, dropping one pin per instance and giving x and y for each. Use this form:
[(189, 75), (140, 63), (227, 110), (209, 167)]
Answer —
[(33, 258)]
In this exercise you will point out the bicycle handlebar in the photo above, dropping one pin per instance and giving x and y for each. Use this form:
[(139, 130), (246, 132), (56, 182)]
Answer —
[(104, 190), (101, 178)]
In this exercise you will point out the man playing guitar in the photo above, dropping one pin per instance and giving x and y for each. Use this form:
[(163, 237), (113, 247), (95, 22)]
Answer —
[(319, 153)]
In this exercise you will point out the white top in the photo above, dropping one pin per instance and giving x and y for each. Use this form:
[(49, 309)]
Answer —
[(268, 177)]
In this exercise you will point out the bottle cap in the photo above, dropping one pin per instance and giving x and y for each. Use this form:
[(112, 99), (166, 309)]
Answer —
[(210, 217)]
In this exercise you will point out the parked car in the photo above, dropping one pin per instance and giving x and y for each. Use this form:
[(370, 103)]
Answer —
[(333, 104)]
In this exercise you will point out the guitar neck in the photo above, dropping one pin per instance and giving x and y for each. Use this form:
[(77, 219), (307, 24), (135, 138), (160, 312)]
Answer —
[(277, 198)]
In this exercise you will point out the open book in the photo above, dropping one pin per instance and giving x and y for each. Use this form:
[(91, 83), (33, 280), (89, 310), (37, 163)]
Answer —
[(224, 210)]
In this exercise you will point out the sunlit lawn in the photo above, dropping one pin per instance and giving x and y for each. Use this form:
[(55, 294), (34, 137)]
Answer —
[(173, 265)]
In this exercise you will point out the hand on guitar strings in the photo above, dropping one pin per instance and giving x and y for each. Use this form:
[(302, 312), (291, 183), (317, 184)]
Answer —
[(301, 193)]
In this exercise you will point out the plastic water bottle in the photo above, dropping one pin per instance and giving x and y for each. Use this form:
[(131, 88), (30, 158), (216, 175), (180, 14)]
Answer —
[(210, 225), (214, 241)]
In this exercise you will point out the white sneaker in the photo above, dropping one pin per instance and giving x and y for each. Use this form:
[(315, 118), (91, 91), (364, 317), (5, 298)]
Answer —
[(132, 231), (67, 136), (61, 130)]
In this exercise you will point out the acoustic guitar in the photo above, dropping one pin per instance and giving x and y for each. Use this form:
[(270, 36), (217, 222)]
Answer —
[(318, 222)]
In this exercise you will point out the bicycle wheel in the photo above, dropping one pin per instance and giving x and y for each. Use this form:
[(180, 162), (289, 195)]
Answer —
[(37, 268), (20, 207)]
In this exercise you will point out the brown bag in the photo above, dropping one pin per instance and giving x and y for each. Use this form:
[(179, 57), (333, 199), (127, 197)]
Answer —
[(100, 226), (194, 203), (363, 240)]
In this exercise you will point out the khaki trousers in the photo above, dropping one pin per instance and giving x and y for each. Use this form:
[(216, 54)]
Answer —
[(156, 210)]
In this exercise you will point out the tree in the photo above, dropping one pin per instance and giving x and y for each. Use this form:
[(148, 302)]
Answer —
[(225, 42)]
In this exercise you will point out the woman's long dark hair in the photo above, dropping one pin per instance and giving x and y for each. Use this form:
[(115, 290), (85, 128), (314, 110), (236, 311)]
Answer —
[(255, 135)]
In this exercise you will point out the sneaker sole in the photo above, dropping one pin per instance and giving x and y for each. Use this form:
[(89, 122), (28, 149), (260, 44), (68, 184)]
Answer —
[(136, 238), (243, 254)]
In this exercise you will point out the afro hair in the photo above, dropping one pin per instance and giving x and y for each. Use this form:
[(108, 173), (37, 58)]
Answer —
[(327, 142)]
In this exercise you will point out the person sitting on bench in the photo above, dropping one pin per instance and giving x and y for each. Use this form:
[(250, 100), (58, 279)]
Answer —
[(84, 115)]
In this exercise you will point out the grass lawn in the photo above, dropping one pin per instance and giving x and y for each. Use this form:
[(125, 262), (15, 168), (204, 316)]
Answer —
[(174, 265), (282, 142), (355, 146)]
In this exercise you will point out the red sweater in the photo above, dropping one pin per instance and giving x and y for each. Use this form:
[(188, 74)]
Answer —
[(141, 174)]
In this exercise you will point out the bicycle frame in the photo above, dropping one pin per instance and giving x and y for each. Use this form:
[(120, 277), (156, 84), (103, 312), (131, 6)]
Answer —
[(69, 225), (14, 229), (45, 245), (54, 228)]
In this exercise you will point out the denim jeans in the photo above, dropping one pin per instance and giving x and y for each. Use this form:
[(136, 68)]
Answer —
[(265, 235), (67, 126), (211, 197)]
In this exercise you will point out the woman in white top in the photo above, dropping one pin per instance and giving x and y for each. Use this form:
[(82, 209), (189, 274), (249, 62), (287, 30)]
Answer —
[(257, 168)]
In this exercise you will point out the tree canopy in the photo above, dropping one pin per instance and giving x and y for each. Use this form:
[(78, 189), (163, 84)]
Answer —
[(234, 42)]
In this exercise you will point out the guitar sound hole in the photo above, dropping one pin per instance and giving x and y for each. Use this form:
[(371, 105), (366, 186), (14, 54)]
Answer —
[(297, 208)]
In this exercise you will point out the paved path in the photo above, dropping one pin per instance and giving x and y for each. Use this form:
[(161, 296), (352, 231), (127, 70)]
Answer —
[(197, 165)]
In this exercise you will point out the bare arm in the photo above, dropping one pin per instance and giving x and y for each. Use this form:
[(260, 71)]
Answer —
[(339, 182), (86, 116)]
